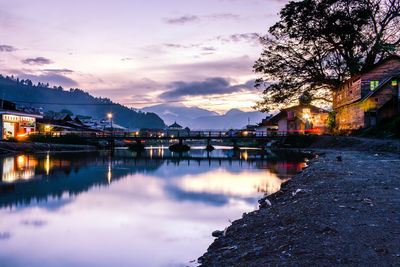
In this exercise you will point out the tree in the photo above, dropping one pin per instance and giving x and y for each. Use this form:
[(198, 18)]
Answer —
[(318, 44), (67, 111)]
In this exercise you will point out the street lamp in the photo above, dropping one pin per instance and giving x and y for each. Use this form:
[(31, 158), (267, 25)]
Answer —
[(110, 116)]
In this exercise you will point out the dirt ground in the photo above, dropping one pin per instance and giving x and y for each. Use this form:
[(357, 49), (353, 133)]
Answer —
[(343, 209)]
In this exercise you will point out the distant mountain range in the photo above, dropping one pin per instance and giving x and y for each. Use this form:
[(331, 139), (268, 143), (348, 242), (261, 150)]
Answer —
[(23, 92), (197, 118)]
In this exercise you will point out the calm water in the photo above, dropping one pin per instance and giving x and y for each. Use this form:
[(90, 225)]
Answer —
[(119, 209)]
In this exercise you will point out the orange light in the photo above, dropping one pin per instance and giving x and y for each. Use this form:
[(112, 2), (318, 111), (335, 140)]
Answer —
[(21, 159), (109, 115)]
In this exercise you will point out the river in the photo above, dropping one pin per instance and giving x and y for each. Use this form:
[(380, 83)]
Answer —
[(117, 208)]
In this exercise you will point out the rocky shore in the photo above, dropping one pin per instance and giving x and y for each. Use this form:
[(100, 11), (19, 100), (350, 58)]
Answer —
[(343, 209)]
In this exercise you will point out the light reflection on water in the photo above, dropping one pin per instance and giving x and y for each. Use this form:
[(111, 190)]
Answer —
[(116, 208)]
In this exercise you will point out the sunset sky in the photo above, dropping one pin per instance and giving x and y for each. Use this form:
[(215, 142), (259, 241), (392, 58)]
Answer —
[(139, 53)]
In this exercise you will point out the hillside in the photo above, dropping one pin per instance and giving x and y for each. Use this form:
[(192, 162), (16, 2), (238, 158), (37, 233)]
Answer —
[(23, 92)]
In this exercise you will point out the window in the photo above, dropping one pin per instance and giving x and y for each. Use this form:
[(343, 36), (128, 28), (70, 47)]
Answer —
[(374, 84), (394, 83)]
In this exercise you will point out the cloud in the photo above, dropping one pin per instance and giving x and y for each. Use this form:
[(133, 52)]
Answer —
[(126, 59), (182, 20), (34, 223), (208, 48), (37, 61), (223, 16), (193, 18), (210, 86), (230, 67), (7, 48), (61, 71), (203, 48), (5, 235), (250, 37)]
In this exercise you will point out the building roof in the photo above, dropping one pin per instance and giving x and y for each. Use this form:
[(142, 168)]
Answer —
[(175, 125), (19, 113)]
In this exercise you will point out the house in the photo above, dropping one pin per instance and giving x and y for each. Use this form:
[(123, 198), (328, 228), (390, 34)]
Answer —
[(16, 123), (300, 119), (267, 125), (61, 122), (363, 100), (175, 127)]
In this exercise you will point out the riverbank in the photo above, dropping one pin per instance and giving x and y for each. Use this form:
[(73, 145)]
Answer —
[(344, 208), (14, 147)]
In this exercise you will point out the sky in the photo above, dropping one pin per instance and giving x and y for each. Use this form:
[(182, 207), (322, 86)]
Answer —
[(140, 53)]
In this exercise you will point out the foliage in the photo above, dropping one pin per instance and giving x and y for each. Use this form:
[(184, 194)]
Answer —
[(318, 44), (67, 111), (331, 121)]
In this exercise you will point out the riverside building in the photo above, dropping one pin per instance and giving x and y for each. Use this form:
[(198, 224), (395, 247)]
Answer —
[(15, 123)]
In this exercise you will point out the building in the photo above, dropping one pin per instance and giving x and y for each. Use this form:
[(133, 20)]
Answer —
[(363, 100), (175, 127), (300, 119), (267, 125), (15, 123)]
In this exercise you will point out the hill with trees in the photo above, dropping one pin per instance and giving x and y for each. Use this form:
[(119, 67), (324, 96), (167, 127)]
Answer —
[(79, 102)]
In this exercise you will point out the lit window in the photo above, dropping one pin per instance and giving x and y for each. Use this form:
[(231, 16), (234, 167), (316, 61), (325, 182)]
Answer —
[(374, 84)]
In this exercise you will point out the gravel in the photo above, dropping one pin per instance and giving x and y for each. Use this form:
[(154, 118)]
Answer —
[(335, 212)]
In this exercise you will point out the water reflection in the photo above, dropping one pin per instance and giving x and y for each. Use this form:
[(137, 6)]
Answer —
[(154, 210)]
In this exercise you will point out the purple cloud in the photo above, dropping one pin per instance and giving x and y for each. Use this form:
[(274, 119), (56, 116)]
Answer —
[(182, 20), (37, 61), (7, 48), (251, 37), (210, 86), (193, 18), (60, 71)]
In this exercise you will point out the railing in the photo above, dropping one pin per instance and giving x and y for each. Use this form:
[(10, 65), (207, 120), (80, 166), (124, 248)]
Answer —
[(176, 134)]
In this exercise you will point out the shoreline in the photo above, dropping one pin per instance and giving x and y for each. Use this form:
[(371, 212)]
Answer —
[(344, 208), (14, 148)]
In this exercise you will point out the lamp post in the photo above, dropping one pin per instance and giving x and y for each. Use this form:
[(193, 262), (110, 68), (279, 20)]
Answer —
[(110, 116)]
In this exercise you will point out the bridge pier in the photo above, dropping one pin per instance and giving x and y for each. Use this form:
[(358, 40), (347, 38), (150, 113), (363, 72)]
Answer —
[(137, 146), (235, 145), (209, 147), (180, 147)]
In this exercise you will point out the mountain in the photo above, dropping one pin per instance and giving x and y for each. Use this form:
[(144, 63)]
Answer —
[(233, 119), (179, 113), (23, 92), (197, 118)]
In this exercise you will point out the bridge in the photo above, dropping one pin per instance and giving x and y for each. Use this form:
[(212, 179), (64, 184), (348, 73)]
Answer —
[(179, 136)]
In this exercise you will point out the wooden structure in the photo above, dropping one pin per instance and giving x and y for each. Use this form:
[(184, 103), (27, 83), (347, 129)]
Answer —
[(365, 99), (300, 119)]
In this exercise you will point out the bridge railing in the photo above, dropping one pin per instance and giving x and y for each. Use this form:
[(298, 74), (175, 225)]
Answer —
[(176, 134)]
